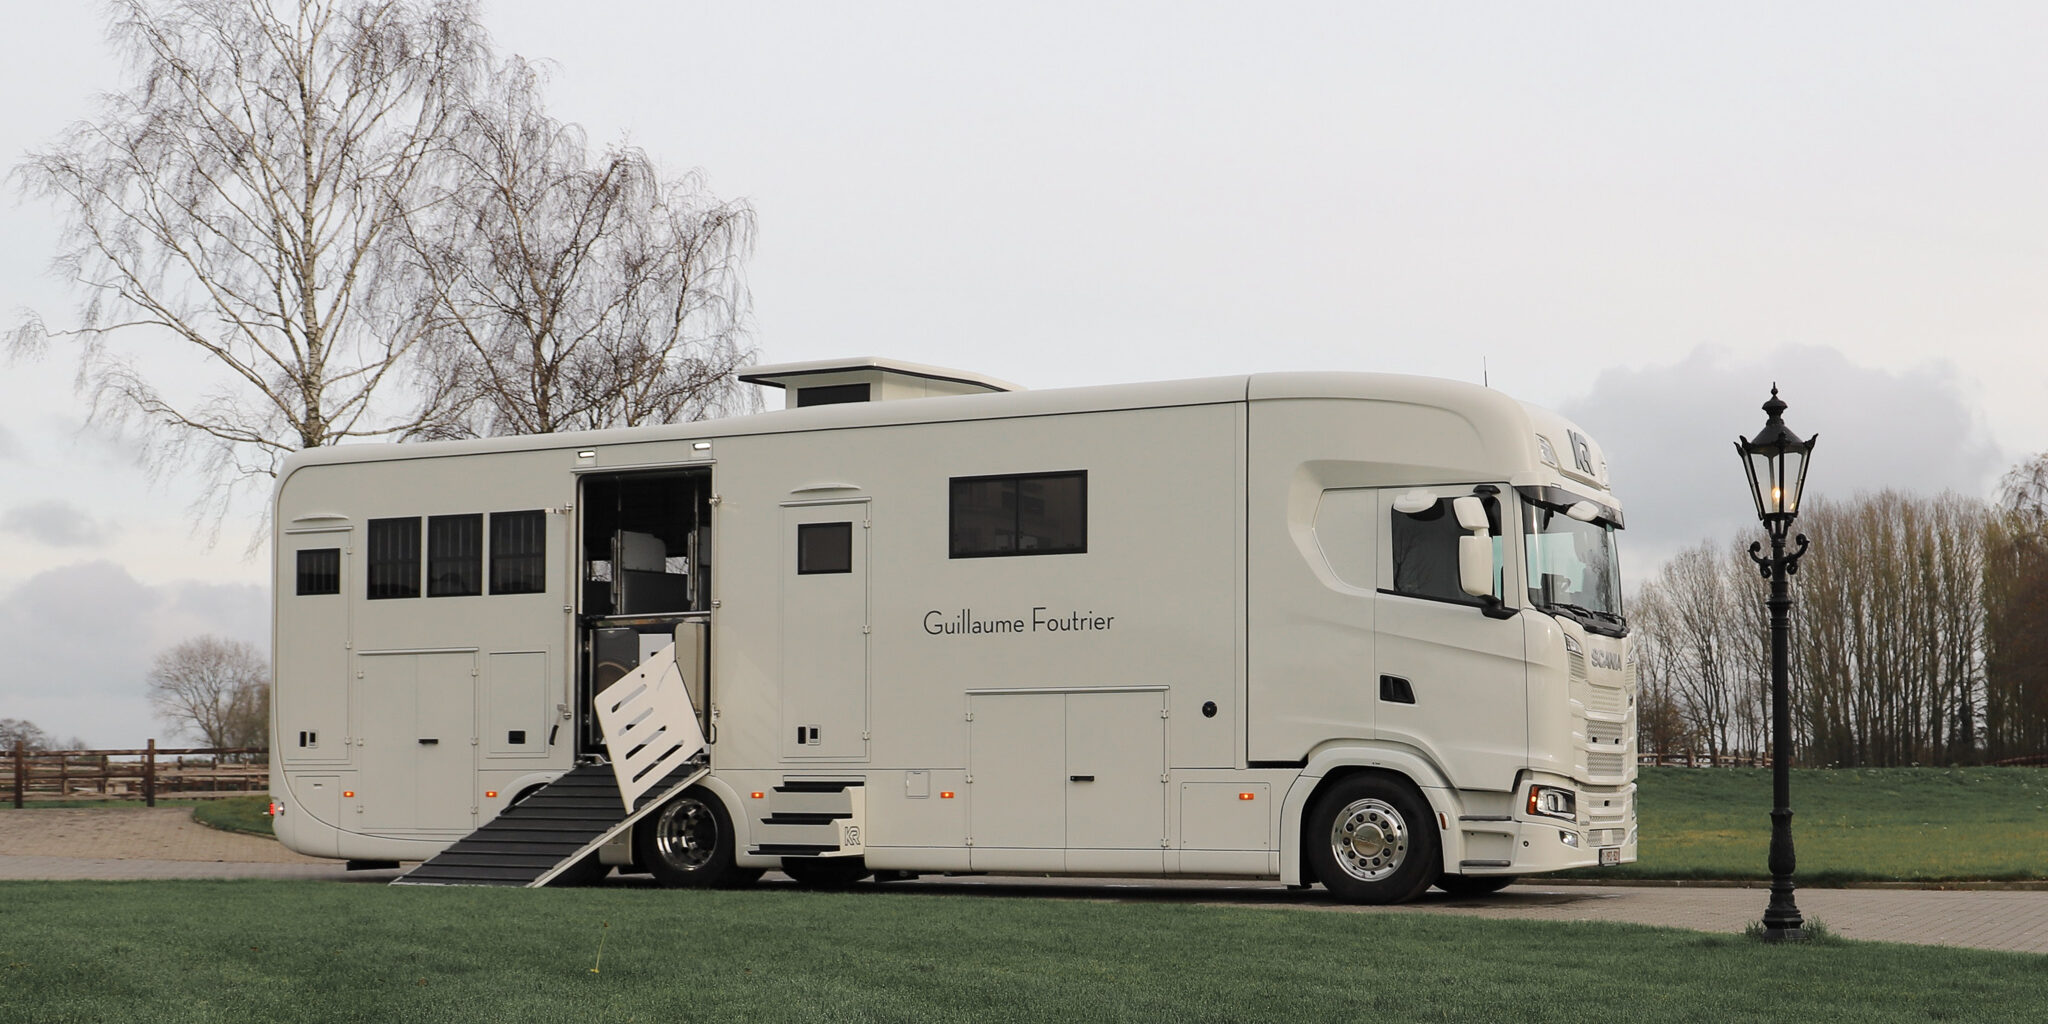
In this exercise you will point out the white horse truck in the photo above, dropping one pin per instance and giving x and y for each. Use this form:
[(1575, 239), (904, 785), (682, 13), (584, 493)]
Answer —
[(1356, 629)]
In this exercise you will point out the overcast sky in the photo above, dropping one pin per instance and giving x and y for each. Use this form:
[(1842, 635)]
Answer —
[(1637, 214)]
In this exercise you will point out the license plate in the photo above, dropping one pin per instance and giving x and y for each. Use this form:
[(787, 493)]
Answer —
[(1610, 855)]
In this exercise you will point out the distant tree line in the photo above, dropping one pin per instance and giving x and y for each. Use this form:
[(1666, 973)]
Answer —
[(1920, 634)]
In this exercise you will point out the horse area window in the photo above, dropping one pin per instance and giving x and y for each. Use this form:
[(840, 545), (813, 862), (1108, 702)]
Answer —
[(455, 556), (319, 571), (519, 550), (394, 550)]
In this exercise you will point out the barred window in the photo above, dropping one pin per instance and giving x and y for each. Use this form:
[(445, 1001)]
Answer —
[(519, 546), (455, 556), (394, 557), (320, 571)]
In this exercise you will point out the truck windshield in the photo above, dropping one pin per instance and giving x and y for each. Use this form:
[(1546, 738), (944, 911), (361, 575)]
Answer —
[(1574, 568)]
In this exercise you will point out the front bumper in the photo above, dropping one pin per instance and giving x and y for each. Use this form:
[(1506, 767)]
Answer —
[(1602, 832)]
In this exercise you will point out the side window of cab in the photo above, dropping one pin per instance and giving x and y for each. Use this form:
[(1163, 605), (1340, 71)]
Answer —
[(1424, 533)]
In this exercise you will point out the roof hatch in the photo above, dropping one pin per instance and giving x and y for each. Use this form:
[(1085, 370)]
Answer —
[(868, 379)]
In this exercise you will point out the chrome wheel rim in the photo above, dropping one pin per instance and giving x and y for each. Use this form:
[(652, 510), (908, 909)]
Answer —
[(685, 833), (1369, 839)]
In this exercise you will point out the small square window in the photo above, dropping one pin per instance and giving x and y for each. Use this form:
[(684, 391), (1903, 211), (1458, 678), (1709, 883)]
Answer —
[(319, 571), (824, 548)]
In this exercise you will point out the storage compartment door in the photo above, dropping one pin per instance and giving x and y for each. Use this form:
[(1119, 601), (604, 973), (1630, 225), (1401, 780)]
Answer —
[(1116, 770), (1016, 756)]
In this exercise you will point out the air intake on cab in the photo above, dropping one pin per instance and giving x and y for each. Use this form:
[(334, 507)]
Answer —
[(867, 379)]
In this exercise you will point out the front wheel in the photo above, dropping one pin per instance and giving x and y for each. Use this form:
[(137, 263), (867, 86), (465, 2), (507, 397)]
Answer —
[(1370, 840), (688, 843)]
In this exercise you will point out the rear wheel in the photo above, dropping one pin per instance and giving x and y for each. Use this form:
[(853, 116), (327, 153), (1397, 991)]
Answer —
[(1370, 839), (825, 872), (688, 843), (1468, 885)]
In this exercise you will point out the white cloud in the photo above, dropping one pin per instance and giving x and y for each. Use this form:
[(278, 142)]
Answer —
[(57, 523), (80, 639), (1669, 431)]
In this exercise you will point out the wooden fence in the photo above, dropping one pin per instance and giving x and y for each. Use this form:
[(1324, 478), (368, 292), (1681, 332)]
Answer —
[(1689, 759), (148, 773)]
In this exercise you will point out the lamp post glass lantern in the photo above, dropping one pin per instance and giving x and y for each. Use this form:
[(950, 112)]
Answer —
[(1776, 463)]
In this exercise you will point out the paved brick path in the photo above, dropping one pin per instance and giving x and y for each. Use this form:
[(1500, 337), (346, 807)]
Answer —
[(166, 843)]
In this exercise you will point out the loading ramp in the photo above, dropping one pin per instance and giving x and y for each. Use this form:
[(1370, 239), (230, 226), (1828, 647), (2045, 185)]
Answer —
[(549, 832), (657, 751)]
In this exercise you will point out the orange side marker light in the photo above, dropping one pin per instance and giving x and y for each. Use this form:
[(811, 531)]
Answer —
[(757, 794), (348, 792), (491, 794), (1247, 796), (945, 794)]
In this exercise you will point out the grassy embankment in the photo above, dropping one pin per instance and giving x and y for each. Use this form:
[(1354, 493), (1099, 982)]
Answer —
[(1848, 825), (308, 951)]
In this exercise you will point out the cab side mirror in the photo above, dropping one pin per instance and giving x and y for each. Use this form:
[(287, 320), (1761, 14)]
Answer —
[(1475, 564), (1475, 549)]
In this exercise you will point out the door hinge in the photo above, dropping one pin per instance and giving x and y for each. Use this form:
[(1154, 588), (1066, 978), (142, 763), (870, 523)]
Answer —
[(716, 500), (865, 630), (970, 714), (970, 840), (1163, 843), (970, 780)]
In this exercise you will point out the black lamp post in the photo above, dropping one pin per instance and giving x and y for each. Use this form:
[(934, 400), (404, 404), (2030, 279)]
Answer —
[(1776, 462)]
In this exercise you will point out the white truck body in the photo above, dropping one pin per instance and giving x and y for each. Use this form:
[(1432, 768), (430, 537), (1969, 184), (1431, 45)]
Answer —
[(1161, 682)]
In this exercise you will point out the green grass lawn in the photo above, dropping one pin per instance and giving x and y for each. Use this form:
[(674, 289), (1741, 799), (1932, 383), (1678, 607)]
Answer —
[(1848, 825), (249, 814), (320, 951)]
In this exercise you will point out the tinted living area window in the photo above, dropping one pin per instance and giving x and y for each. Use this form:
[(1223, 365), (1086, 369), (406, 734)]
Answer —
[(455, 556), (394, 558), (519, 548), (319, 571), (1026, 514), (831, 394)]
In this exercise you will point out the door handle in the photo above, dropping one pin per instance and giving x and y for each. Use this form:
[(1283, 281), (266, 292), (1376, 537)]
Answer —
[(1080, 778), (429, 741)]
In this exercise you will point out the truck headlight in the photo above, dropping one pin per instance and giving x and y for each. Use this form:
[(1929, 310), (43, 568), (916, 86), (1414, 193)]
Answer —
[(1553, 802)]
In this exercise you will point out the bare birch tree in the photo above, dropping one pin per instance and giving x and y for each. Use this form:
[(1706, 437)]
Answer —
[(234, 203), (565, 292), (215, 690)]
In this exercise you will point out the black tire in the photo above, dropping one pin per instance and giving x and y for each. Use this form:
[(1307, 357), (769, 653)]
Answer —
[(688, 843), (1372, 839), (1469, 885), (825, 872)]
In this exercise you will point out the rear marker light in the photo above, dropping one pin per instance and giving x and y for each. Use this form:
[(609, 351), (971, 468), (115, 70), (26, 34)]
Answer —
[(276, 809), (945, 794)]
